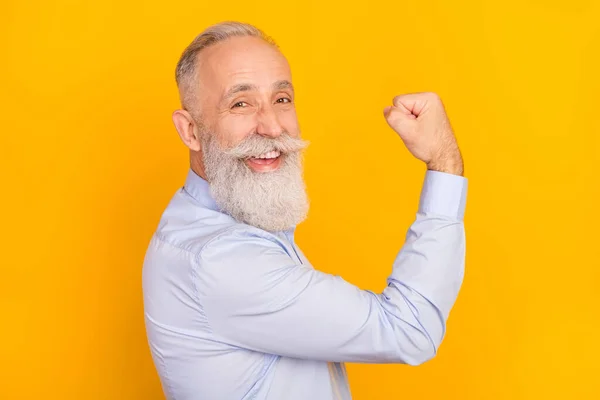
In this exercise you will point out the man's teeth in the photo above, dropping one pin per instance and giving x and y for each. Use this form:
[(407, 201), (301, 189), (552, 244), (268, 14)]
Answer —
[(270, 154)]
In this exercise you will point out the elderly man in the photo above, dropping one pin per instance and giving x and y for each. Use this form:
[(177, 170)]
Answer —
[(233, 308)]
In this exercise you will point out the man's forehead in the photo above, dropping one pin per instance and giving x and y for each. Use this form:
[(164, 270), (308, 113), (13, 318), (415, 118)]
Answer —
[(239, 61)]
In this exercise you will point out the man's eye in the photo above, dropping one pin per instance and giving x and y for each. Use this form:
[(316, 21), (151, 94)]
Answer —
[(285, 100), (240, 104)]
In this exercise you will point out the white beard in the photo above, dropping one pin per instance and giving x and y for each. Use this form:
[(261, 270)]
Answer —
[(273, 201)]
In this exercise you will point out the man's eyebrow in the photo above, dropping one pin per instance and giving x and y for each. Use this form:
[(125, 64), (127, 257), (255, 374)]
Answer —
[(279, 85), (247, 87), (240, 87)]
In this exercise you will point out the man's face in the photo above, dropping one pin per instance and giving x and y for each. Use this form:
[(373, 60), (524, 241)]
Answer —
[(246, 88), (251, 148)]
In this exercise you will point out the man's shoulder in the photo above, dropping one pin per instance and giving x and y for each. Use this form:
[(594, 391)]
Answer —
[(189, 226)]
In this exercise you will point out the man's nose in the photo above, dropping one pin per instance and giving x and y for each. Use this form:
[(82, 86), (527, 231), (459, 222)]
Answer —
[(268, 122)]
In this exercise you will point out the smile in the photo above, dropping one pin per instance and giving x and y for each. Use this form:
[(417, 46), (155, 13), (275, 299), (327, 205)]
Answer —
[(265, 162)]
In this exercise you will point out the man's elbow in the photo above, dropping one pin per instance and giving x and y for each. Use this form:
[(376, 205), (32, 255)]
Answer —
[(422, 350), (421, 357)]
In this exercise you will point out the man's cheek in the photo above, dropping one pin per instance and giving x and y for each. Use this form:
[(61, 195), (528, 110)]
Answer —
[(290, 124), (235, 133)]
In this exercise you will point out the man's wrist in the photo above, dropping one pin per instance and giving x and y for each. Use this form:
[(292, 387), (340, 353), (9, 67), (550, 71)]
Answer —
[(449, 169), (453, 166)]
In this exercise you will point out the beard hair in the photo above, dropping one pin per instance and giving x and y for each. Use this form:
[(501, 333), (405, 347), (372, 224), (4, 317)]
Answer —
[(272, 201)]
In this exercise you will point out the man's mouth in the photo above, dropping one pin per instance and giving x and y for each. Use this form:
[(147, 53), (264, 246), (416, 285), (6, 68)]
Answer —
[(265, 162)]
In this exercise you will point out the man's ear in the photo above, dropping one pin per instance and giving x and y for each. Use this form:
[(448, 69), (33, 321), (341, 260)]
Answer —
[(187, 129)]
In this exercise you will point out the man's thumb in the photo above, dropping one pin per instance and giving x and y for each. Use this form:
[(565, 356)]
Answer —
[(398, 113), (399, 121)]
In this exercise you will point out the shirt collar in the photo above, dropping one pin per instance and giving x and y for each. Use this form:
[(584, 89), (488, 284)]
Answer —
[(198, 188)]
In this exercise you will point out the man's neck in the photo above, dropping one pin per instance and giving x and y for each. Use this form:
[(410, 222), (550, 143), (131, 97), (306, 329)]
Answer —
[(197, 165)]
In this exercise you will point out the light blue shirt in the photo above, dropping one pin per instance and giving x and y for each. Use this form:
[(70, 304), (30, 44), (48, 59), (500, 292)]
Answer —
[(236, 312)]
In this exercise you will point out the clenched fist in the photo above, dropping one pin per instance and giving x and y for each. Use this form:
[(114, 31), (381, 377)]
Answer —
[(421, 122)]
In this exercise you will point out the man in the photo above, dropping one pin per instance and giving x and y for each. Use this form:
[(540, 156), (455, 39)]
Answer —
[(233, 308)]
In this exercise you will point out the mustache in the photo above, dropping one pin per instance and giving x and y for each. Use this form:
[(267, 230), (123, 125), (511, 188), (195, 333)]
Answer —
[(255, 145)]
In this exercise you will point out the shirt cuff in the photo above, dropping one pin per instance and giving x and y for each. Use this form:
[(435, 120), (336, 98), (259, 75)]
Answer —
[(443, 194)]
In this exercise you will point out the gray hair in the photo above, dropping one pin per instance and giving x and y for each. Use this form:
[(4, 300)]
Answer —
[(185, 73)]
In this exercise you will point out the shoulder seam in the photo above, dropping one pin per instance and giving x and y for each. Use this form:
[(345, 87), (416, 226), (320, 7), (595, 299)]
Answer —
[(226, 231), (164, 239)]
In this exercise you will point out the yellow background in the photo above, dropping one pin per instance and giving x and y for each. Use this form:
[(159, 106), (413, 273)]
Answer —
[(90, 159)]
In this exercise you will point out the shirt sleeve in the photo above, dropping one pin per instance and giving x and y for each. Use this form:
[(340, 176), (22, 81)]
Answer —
[(257, 297)]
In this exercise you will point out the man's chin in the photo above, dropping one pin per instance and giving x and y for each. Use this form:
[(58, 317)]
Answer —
[(272, 201), (275, 208)]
